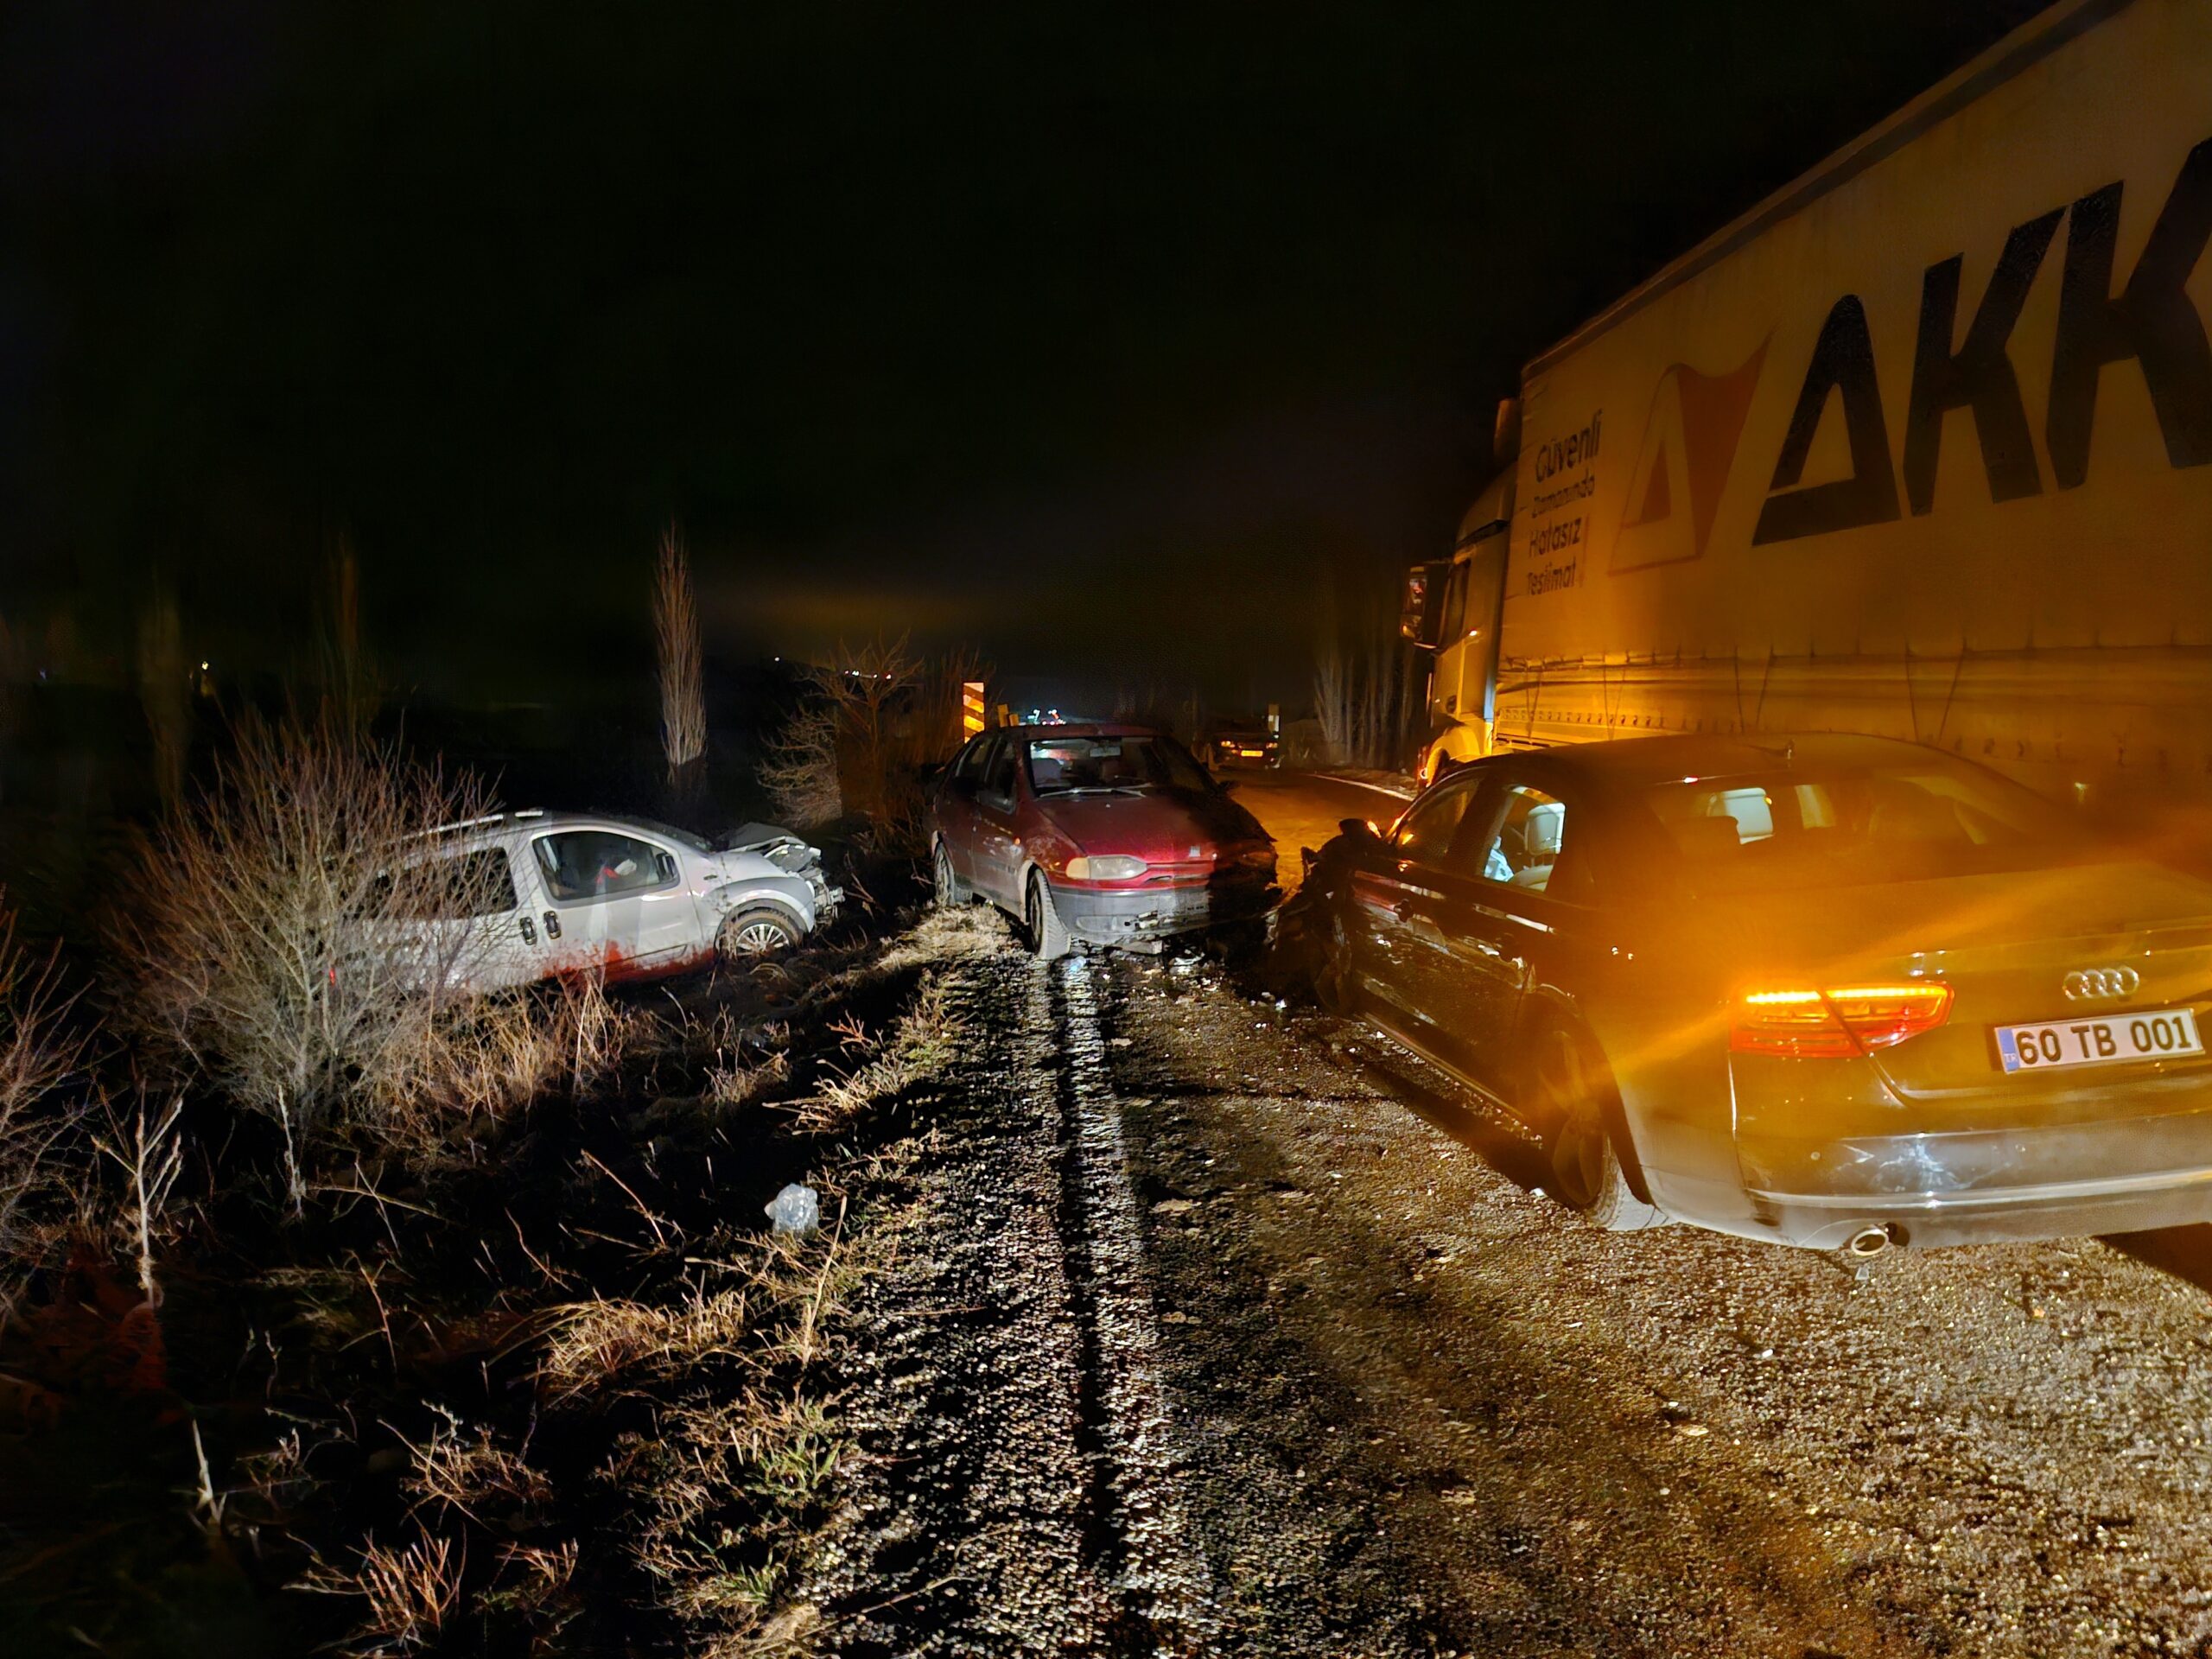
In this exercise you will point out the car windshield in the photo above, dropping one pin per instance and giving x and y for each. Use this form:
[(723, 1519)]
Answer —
[(1920, 820), (682, 838), (1067, 765)]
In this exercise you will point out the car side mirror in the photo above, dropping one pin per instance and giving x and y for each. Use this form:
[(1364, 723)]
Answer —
[(1358, 829), (930, 771)]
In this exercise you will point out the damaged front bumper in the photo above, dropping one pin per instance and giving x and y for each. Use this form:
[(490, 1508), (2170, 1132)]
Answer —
[(1135, 917)]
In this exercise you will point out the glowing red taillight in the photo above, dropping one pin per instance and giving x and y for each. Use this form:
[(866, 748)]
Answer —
[(1835, 1024)]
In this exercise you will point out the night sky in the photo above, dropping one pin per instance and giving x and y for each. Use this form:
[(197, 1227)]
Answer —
[(1122, 345)]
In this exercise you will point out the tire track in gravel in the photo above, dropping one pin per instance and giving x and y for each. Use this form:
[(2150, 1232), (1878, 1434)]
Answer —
[(967, 1527), (1018, 1490), (1143, 1530)]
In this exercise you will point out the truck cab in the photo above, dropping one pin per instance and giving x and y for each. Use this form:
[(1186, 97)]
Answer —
[(1453, 611)]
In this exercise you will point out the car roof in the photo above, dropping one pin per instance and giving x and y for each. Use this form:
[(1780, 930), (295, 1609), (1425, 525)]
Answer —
[(1086, 728), (1632, 762), (536, 820)]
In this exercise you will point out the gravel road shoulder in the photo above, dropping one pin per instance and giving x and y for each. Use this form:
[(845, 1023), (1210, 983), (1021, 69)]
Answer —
[(1214, 1327)]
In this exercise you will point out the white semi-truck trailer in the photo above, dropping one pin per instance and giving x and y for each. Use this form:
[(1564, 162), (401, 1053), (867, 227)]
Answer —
[(1921, 446)]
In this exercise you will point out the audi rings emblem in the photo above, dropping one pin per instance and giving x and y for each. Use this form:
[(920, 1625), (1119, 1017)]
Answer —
[(2101, 984)]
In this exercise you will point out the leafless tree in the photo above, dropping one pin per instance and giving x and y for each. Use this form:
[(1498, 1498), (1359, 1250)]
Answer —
[(293, 928), (164, 691), (870, 719), (352, 690), (676, 630), (1358, 693)]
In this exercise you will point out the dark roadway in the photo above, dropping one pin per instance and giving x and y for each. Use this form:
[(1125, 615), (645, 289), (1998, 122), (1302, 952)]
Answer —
[(1302, 808)]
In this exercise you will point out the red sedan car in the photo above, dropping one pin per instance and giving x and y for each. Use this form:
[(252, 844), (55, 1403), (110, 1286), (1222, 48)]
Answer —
[(1096, 835)]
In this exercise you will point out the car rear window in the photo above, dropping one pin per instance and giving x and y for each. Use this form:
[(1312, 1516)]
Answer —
[(1065, 765), (1914, 822)]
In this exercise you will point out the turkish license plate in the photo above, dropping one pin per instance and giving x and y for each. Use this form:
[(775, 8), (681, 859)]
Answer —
[(2107, 1040)]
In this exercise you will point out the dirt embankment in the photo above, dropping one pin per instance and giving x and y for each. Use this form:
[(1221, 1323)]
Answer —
[(1212, 1327)]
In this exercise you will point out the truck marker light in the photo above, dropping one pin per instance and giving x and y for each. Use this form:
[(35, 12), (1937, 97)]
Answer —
[(1835, 1024)]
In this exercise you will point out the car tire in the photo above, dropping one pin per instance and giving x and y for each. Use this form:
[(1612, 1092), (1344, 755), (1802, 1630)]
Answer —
[(753, 934), (950, 891), (1048, 935), (1334, 986), (1578, 1111)]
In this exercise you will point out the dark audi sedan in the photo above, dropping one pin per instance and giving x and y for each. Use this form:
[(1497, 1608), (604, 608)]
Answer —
[(1837, 992)]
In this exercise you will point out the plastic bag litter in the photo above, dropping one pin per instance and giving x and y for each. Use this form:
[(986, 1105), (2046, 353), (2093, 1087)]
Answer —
[(794, 1209)]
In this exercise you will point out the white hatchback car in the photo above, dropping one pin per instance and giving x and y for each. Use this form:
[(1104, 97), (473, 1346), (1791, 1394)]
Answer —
[(566, 893)]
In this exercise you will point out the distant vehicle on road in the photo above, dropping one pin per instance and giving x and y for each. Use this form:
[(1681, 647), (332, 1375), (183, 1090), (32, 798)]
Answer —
[(1233, 747), (1096, 834), (1837, 992), (554, 893)]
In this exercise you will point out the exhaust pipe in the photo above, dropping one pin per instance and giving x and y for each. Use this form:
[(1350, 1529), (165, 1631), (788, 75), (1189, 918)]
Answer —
[(1870, 1239)]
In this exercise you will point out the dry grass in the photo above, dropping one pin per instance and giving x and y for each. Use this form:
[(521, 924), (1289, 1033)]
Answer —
[(944, 936), (676, 633), (462, 1469), (410, 1592), (754, 1457), (497, 1053), (921, 1045), (592, 1345), (535, 1578), (736, 1083)]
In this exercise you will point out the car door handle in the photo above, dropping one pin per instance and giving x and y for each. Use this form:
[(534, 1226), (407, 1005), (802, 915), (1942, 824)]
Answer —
[(529, 930), (552, 925)]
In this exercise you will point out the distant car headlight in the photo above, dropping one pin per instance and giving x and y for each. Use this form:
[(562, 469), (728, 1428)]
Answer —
[(1106, 867)]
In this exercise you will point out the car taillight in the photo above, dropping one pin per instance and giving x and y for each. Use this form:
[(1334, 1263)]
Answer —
[(1835, 1024)]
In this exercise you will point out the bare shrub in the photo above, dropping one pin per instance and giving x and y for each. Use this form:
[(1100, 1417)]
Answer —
[(38, 1053), (870, 720), (294, 932), (799, 772), (676, 633), (150, 1157)]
